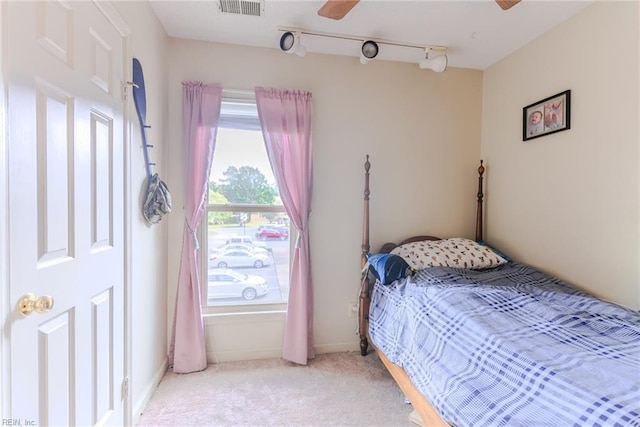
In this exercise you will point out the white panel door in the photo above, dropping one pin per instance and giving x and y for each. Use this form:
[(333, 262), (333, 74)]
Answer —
[(66, 239)]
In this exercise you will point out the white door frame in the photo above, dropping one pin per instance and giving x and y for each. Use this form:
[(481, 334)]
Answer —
[(5, 401), (6, 307)]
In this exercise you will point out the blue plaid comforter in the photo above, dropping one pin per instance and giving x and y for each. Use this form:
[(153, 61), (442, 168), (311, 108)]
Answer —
[(511, 346)]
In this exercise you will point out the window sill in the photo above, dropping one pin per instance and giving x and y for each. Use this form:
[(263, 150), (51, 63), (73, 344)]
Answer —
[(243, 310), (242, 313)]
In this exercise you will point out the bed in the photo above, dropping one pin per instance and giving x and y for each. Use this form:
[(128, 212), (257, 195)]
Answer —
[(476, 339)]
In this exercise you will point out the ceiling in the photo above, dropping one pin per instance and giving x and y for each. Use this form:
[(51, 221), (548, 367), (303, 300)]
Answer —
[(476, 33)]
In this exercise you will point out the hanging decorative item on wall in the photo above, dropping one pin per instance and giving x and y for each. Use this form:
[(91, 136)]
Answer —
[(157, 197), (550, 115)]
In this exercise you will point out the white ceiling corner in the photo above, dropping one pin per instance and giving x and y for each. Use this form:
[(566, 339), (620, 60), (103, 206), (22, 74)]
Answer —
[(477, 33)]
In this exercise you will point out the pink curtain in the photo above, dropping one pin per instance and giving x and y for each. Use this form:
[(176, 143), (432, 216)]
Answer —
[(201, 113), (285, 117)]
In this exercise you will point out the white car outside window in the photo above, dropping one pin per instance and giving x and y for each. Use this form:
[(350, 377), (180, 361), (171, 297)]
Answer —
[(243, 247), (225, 283), (240, 239), (238, 258)]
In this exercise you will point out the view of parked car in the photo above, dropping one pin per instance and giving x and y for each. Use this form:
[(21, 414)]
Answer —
[(243, 247), (238, 258), (225, 283), (240, 239), (273, 233), (276, 226)]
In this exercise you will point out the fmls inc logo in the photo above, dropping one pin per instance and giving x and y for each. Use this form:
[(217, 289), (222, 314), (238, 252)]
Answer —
[(16, 422)]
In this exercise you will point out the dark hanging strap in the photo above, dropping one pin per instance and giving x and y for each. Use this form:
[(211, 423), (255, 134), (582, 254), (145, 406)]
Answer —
[(140, 101)]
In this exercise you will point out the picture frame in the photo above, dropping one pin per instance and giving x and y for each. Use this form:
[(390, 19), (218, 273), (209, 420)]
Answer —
[(547, 116)]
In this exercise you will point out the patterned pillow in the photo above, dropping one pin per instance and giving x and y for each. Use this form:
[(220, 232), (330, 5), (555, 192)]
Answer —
[(455, 252)]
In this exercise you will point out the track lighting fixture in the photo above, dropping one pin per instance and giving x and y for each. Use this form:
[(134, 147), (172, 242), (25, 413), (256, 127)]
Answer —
[(437, 63), (290, 43), (368, 51)]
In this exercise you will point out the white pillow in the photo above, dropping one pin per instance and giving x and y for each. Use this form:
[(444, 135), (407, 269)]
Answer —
[(454, 252)]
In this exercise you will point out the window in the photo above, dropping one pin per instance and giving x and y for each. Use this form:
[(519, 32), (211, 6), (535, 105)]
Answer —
[(247, 229)]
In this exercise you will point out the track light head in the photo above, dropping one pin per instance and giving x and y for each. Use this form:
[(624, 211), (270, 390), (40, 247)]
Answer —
[(290, 43), (437, 63), (368, 51)]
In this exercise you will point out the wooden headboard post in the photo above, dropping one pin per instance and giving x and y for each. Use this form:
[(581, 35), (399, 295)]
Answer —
[(365, 223), (479, 218), (363, 304)]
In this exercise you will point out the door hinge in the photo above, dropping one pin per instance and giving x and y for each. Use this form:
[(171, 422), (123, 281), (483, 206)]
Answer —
[(125, 387), (125, 91)]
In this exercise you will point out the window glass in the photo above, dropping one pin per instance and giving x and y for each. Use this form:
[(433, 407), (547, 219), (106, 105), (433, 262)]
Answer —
[(247, 228)]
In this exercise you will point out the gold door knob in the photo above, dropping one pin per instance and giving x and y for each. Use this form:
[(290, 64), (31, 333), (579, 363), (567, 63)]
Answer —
[(30, 303)]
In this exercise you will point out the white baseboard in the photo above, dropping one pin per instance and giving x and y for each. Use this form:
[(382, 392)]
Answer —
[(275, 352), (244, 354), (337, 347), (142, 401)]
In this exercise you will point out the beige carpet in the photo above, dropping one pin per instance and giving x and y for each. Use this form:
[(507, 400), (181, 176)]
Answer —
[(339, 389)]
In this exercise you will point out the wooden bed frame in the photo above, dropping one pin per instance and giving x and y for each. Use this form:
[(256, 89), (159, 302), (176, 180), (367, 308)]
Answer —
[(429, 415)]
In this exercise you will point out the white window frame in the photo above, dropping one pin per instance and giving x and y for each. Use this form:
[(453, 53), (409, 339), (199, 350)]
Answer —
[(245, 121)]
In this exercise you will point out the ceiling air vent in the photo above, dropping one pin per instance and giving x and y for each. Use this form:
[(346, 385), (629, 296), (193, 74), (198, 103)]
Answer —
[(242, 7)]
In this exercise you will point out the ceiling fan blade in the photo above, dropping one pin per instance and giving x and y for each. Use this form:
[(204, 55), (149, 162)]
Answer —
[(337, 9), (507, 4)]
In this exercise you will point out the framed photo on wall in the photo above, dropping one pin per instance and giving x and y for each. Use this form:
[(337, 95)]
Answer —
[(547, 116)]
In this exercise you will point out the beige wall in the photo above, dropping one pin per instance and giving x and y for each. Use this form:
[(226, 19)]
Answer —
[(421, 129), (568, 202), (148, 243)]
